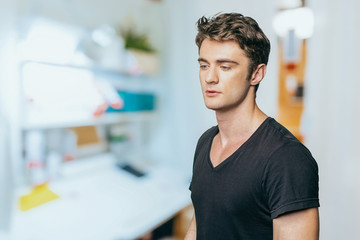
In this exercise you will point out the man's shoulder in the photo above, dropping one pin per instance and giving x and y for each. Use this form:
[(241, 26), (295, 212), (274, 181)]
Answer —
[(279, 140), (274, 131), (274, 136), (209, 133), (205, 138)]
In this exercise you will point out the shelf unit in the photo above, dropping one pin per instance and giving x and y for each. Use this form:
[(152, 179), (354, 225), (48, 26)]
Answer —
[(61, 118), (97, 199)]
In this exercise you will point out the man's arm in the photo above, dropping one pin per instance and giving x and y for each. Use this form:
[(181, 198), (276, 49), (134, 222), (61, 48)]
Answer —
[(299, 225), (191, 233)]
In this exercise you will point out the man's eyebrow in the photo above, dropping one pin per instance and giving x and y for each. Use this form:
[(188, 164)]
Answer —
[(227, 61), (219, 61), (202, 60)]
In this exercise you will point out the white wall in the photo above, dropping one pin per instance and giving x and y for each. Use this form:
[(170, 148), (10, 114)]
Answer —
[(332, 114), (182, 95)]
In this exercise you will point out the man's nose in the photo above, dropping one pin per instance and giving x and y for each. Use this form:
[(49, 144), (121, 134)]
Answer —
[(212, 76)]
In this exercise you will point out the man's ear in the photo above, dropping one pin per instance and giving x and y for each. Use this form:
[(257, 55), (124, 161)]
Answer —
[(258, 74)]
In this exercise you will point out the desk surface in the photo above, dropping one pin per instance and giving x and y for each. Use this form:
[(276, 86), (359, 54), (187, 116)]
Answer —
[(103, 202)]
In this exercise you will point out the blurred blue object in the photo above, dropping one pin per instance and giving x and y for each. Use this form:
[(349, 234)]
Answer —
[(134, 101)]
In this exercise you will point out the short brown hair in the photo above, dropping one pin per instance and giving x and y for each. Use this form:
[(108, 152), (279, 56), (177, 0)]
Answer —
[(236, 27)]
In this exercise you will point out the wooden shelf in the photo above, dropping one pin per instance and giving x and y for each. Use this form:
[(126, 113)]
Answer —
[(93, 68), (90, 67), (108, 118)]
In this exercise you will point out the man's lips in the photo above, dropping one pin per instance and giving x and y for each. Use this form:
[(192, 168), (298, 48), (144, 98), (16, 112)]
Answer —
[(212, 93)]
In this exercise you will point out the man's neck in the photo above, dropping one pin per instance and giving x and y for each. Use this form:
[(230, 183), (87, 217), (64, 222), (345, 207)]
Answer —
[(238, 124)]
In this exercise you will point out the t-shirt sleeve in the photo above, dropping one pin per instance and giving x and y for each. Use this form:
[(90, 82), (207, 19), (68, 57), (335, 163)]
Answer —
[(291, 180)]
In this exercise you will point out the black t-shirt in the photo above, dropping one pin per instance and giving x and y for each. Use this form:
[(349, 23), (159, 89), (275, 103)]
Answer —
[(272, 173)]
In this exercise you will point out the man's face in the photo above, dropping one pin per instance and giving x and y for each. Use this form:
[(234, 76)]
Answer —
[(223, 74)]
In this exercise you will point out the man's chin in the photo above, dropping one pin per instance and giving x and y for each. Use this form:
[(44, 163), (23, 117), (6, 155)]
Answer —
[(212, 107), (218, 108)]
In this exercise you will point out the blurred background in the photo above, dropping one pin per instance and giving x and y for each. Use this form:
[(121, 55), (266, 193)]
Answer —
[(101, 109)]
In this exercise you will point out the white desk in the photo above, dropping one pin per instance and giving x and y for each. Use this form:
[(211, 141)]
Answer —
[(102, 202)]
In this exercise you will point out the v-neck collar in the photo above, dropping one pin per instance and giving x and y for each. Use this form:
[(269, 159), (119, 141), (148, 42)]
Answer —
[(238, 150)]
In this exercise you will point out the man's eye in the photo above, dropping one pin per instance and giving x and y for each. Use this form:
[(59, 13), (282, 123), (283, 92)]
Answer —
[(203, 66), (225, 68)]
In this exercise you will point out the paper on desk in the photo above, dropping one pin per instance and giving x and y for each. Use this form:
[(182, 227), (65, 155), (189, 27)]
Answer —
[(40, 194)]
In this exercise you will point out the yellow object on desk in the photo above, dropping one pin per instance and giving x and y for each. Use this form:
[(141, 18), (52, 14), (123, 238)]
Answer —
[(40, 194)]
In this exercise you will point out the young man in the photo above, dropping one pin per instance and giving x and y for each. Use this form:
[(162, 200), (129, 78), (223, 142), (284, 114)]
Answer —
[(252, 179)]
